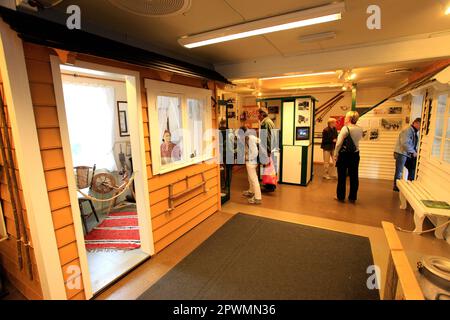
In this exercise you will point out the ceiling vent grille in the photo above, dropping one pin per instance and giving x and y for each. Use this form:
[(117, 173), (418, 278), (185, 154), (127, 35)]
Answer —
[(153, 8), (399, 70)]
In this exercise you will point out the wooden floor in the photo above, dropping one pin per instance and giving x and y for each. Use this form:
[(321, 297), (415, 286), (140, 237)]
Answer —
[(313, 206), (377, 202), (105, 267)]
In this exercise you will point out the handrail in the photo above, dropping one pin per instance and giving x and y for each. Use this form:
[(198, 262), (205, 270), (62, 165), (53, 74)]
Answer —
[(173, 197), (399, 269)]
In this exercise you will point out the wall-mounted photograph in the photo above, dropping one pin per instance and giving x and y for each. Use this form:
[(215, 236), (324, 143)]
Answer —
[(391, 124), (274, 110), (122, 114)]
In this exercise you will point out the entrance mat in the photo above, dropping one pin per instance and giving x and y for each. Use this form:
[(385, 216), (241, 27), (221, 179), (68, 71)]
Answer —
[(119, 231), (253, 258)]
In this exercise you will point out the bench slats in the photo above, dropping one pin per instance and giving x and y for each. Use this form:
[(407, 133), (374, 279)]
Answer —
[(415, 193)]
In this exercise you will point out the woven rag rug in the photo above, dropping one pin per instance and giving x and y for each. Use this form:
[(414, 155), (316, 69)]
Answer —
[(119, 231)]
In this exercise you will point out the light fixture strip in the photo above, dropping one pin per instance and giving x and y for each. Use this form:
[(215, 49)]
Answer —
[(288, 21), (325, 85), (301, 75)]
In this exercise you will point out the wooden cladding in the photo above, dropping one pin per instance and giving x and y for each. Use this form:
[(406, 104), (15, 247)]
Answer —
[(50, 143), (192, 207), (8, 249)]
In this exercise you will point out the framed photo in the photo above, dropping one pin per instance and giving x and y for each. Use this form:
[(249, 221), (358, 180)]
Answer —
[(392, 124), (123, 118), (274, 110)]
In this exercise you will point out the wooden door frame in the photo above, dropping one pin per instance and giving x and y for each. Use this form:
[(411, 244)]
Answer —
[(133, 84), (29, 160)]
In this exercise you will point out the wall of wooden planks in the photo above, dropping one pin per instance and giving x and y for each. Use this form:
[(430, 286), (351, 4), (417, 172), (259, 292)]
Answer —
[(191, 209), (8, 249)]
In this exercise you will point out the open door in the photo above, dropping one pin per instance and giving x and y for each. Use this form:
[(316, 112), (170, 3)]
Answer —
[(102, 131)]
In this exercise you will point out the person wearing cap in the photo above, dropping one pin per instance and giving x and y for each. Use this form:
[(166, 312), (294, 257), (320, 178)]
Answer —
[(405, 153)]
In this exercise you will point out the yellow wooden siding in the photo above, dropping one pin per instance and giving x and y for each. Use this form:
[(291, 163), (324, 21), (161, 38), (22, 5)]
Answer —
[(192, 208), (47, 123), (31, 289)]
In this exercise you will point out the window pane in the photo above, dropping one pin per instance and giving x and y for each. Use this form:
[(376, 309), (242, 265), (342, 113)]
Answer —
[(447, 151), (441, 115), (196, 110), (170, 128), (436, 151), (440, 122), (448, 127)]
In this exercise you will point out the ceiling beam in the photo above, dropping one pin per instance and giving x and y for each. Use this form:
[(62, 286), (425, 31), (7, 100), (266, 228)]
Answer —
[(412, 49)]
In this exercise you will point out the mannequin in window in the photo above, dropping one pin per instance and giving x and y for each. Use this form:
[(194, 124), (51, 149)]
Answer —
[(170, 152)]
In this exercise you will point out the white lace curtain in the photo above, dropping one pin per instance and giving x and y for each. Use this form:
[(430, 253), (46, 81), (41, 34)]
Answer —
[(90, 114), (169, 117)]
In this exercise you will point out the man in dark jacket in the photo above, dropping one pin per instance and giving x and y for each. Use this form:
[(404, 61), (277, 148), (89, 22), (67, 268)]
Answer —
[(405, 153), (329, 137)]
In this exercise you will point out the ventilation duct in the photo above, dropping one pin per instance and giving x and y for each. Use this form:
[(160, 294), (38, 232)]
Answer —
[(153, 8)]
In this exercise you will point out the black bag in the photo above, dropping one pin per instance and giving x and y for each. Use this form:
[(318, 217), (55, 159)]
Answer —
[(348, 146)]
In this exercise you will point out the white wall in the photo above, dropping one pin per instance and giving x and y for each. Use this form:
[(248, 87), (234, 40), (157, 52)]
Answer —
[(434, 175), (377, 160)]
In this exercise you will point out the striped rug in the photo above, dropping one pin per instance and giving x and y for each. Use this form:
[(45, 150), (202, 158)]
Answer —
[(119, 231)]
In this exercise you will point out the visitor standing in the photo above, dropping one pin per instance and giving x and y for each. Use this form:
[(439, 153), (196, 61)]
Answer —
[(405, 153), (329, 138), (347, 157)]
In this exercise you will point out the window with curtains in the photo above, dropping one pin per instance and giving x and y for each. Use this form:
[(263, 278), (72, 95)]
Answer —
[(180, 118), (90, 116), (441, 139)]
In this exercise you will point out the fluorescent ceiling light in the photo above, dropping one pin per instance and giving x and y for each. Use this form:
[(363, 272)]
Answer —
[(314, 86), (301, 75), (303, 18)]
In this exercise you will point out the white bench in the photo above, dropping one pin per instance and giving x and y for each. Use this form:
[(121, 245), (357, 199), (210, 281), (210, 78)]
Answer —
[(413, 192)]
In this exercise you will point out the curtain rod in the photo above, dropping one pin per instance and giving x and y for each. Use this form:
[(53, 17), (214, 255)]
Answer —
[(75, 75)]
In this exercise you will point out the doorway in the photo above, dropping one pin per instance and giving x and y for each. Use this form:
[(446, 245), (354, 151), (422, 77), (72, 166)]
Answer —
[(104, 149)]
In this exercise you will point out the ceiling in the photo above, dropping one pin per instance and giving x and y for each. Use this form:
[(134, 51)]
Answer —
[(378, 76), (400, 19)]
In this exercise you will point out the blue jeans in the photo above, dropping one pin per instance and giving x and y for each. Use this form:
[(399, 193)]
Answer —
[(401, 162)]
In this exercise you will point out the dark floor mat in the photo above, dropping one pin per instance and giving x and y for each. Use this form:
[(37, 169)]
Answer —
[(256, 258)]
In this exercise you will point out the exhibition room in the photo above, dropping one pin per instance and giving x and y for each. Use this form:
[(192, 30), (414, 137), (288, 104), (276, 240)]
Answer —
[(225, 150)]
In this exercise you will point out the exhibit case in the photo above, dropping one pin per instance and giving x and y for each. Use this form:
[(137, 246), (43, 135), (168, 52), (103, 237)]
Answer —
[(297, 147)]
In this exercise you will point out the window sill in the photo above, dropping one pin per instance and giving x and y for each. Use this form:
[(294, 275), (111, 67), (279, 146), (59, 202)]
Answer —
[(185, 164)]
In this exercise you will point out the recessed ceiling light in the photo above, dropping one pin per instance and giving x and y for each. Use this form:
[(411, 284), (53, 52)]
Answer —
[(447, 12), (352, 76), (300, 75), (303, 18)]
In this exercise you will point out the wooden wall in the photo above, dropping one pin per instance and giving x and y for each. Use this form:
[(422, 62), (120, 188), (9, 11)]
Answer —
[(430, 173), (192, 208), (31, 289), (44, 104)]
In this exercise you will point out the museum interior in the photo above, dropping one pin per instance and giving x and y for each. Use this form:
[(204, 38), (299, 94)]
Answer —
[(225, 150)]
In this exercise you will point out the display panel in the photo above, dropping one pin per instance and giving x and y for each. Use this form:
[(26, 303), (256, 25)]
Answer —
[(302, 133)]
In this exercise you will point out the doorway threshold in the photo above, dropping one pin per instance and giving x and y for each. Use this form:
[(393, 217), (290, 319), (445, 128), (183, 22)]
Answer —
[(107, 268)]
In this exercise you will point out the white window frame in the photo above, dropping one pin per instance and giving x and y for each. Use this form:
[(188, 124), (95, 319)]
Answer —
[(159, 88), (439, 161)]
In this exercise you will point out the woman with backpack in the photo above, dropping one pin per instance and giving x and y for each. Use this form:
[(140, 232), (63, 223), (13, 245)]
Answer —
[(347, 157)]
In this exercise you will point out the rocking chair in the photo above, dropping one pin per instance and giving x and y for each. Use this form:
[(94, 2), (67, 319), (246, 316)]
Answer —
[(84, 183)]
